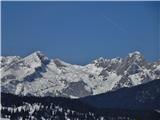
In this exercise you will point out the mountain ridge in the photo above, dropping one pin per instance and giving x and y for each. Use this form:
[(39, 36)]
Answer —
[(38, 75)]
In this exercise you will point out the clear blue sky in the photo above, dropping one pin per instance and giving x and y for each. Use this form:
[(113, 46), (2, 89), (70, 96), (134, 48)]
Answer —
[(78, 32)]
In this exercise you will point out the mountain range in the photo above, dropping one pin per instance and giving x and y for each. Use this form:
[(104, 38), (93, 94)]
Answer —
[(37, 75), (38, 88)]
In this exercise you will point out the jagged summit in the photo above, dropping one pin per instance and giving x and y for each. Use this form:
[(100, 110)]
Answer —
[(37, 75), (135, 53), (37, 57), (130, 55), (38, 54), (100, 59)]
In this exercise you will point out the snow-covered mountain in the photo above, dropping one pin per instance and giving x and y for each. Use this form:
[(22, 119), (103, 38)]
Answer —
[(37, 75)]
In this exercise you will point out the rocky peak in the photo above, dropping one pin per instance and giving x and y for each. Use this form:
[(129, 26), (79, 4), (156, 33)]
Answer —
[(116, 60), (100, 59), (134, 53), (37, 57), (135, 56), (101, 62)]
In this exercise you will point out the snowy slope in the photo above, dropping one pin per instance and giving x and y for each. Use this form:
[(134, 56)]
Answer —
[(37, 75)]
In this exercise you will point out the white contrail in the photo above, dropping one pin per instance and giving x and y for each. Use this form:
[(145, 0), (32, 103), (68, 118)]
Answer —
[(114, 23)]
